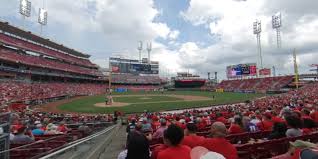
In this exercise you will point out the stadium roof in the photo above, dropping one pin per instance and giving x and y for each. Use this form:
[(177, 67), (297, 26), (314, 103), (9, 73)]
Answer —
[(6, 27)]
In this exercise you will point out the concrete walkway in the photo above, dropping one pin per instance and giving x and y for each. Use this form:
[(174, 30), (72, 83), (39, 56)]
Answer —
[(117, 144)]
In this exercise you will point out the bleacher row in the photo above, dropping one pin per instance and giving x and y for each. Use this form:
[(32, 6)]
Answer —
[(257, 84), (11, 91), (10, 55), (300, 104), (22, 44), (137, 87), (135, 79), (48, 143)]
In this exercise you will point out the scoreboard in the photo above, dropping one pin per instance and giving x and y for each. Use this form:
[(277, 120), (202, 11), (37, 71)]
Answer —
[(235, 71), (120, 65)]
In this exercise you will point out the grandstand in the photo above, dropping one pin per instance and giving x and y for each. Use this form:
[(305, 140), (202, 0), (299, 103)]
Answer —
[(34, 69), (256, 84)]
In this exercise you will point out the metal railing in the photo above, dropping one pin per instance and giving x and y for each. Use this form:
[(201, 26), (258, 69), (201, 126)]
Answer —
[(74, 147)]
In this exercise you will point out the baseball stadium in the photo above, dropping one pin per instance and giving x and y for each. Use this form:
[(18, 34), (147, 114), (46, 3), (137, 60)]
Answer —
[(57, 102)]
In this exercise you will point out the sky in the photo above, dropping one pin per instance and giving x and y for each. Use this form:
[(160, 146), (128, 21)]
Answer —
[(198, 36)]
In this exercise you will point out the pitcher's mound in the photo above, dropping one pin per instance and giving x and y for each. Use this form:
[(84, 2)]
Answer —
[(114, 104)]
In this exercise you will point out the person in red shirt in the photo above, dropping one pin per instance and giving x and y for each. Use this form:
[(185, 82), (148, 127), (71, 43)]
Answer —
[(266, 124), (276, 118), (172, 138), (218, 143), (62, 127), (220, 118), (155, 124), (158, 149), (191, 139), (306, 114), (237, 126), (308, 126)]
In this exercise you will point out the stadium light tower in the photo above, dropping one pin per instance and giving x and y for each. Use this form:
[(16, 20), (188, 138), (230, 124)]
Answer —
[(257, 29), (276, 24), (149, 47), (140, 49), (42, 19), (25, 9), (296, 69)]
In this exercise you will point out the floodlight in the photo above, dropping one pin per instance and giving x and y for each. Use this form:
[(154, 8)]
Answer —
[(257, 27), (25, 8), (276, 24), (149, 47), (42, 16), (277, 20), (139, 48)]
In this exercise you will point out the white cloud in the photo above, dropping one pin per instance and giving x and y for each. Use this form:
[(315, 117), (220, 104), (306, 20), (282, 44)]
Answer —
[(105, 27), (174, 34), (232, 22)]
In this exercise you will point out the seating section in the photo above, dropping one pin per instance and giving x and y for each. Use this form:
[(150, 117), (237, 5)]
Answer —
[(9, 55), (11, 91), (135, 79), (22, 44), (257, 84), (138, 87), (48, 143), (250, 144)]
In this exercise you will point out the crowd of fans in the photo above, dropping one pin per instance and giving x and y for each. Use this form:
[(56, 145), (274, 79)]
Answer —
[(135, 79), (288, 115), (37, 61), (35, 133), (257, 84), (11, 91), (40, 49), (138, 87)]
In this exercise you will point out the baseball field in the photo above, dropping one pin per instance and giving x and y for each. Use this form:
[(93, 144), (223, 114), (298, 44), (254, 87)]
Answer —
[(133, 102)]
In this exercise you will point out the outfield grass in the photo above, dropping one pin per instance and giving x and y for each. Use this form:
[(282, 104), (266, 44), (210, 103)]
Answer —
[(86, 104)]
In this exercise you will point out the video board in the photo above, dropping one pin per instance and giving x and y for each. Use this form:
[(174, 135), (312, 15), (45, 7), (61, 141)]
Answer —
[(239, 70)]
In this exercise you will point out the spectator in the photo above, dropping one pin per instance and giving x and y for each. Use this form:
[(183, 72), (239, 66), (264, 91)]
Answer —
[(51, 129), (220, 118), (62, 127), (161, 129), (20, 137), (145, 125), (131, 126), (295, 125), (173, 136), (309, 126), (191, 139), (266, 124), (85, 129), (254, 119), (218, 143), (279, 131), (38, 130), (237, 126), (248, 126), (137, 147)]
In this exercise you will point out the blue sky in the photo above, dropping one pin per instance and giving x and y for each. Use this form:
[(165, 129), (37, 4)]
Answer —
[(170, 14), (197, 35)]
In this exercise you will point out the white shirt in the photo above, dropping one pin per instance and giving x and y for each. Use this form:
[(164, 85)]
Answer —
[(122, 155)]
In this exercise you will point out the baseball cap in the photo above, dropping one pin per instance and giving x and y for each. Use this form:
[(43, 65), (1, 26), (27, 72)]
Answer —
[(309, 154)]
